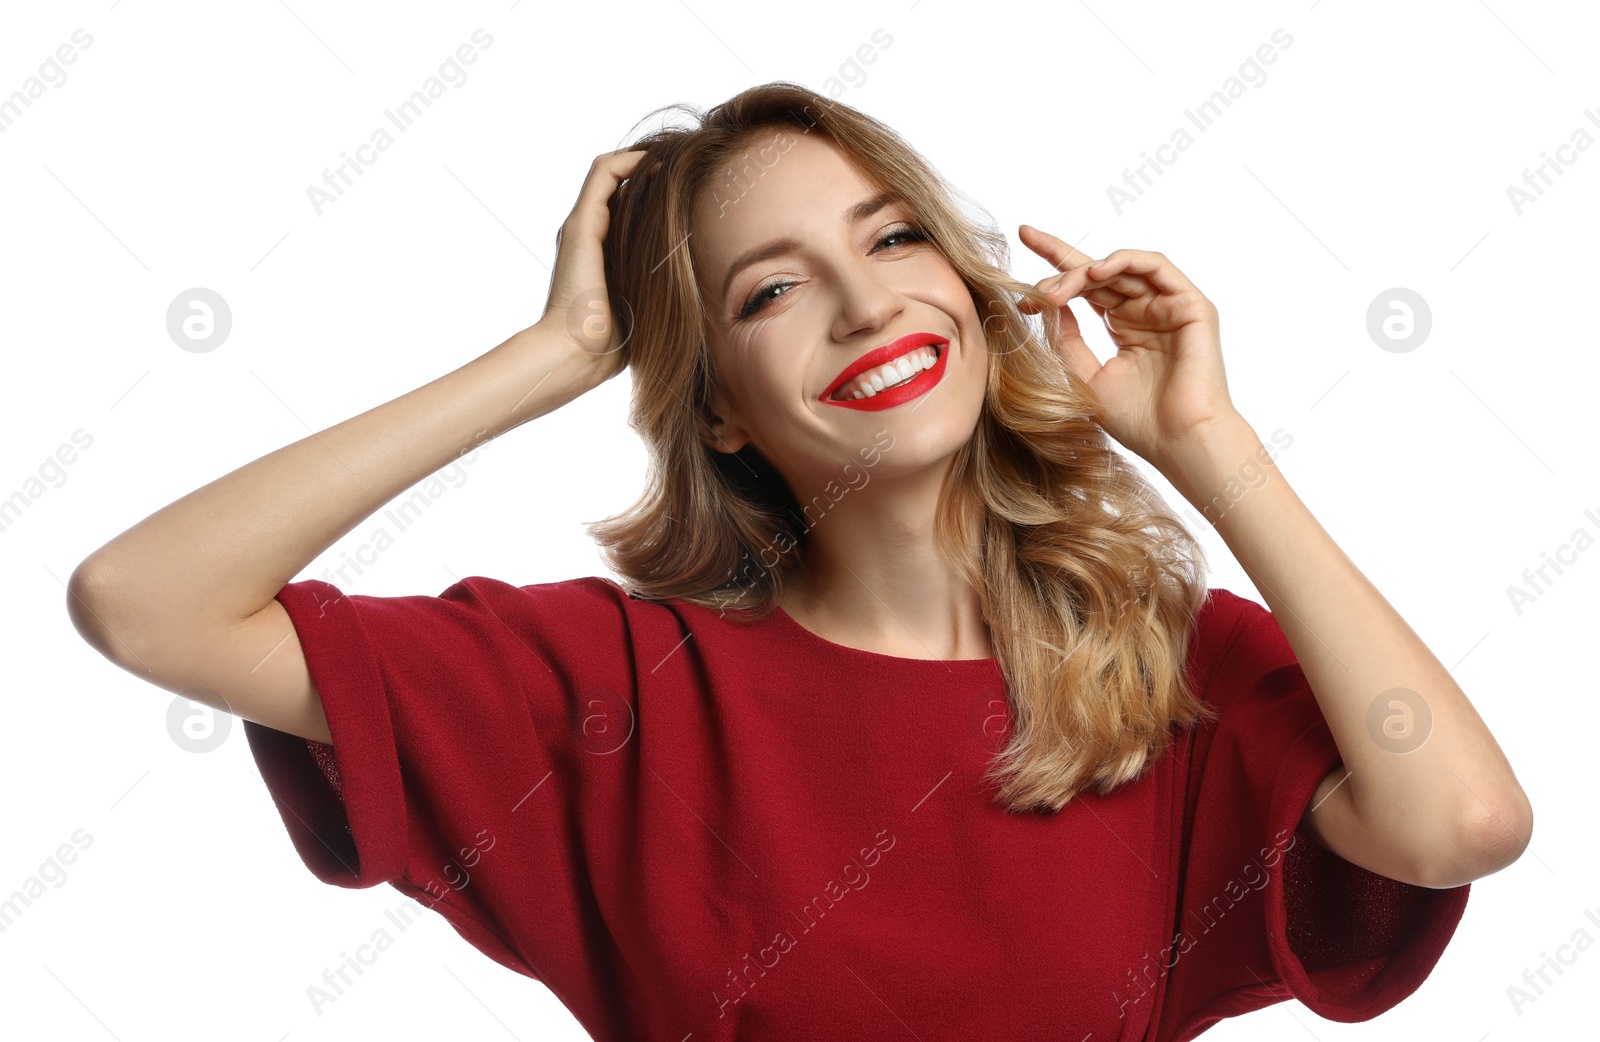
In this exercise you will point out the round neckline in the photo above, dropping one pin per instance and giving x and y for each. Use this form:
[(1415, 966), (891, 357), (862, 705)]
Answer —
[(845, 649)]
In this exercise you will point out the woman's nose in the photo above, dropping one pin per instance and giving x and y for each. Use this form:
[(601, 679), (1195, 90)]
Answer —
[(866, 301)]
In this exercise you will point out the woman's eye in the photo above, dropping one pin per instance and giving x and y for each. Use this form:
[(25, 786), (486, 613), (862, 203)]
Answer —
[(763, 294), (913, 234), (760, 298)]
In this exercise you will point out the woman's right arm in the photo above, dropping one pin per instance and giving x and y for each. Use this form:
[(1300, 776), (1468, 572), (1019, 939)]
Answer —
[(186, 598)]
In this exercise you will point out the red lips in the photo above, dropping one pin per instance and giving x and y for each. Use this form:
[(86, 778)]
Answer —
[(888, 353)]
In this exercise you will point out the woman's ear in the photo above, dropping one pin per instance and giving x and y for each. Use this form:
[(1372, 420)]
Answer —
[(718, 428)]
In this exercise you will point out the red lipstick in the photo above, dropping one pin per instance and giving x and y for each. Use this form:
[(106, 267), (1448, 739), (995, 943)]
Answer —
[(893, 396)]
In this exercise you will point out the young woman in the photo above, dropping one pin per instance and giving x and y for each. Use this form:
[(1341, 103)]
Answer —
[(912, 715)]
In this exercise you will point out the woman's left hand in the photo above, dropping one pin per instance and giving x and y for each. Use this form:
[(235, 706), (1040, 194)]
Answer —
[(1165, 385)]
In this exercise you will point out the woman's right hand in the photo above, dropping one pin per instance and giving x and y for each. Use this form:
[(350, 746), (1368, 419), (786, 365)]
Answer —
[(577, 311)]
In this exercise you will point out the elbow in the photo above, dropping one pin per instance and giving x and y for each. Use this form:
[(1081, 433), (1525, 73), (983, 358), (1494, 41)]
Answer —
[(90, 608), (1503, 832), (82, 592), (1490, 838)]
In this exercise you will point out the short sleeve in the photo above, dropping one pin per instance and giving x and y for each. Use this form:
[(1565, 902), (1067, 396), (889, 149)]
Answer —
[(445, 714), (1264, 912)]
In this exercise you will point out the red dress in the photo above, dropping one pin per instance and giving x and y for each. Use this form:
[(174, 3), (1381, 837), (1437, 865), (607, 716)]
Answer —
[(683, 823)]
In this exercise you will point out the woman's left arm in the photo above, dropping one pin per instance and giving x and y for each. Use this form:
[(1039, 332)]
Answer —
[(1436, 814)]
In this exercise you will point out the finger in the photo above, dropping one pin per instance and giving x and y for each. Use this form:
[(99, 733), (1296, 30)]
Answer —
[(1081, 360), (607, 171), (1103, 312), (1062, 256), (1072, 349), (1104, 299), (1067, 336), (1079, 283), (1154, 268), (628, 163), (1074, 283)]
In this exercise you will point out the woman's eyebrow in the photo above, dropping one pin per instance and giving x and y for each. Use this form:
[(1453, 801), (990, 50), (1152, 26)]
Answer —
[(778, 247)]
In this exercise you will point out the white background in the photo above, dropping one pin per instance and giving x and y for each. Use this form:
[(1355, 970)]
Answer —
[(1376, 154)]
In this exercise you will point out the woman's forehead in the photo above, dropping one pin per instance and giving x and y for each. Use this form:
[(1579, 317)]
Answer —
[(807, 189)]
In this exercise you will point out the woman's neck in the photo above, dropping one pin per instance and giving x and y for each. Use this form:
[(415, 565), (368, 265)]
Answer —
[(875, 579)]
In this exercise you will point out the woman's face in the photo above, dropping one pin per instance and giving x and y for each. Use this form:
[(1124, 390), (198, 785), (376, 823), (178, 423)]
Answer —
[(785, 327)]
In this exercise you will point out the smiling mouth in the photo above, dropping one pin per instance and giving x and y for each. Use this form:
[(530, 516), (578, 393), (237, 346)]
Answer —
[(886, 377), (908, 375)]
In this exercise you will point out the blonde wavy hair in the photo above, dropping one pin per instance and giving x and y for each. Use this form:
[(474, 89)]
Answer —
[(1087, 580)]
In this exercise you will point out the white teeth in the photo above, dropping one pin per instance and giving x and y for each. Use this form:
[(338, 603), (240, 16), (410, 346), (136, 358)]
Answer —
[(906, 366)]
